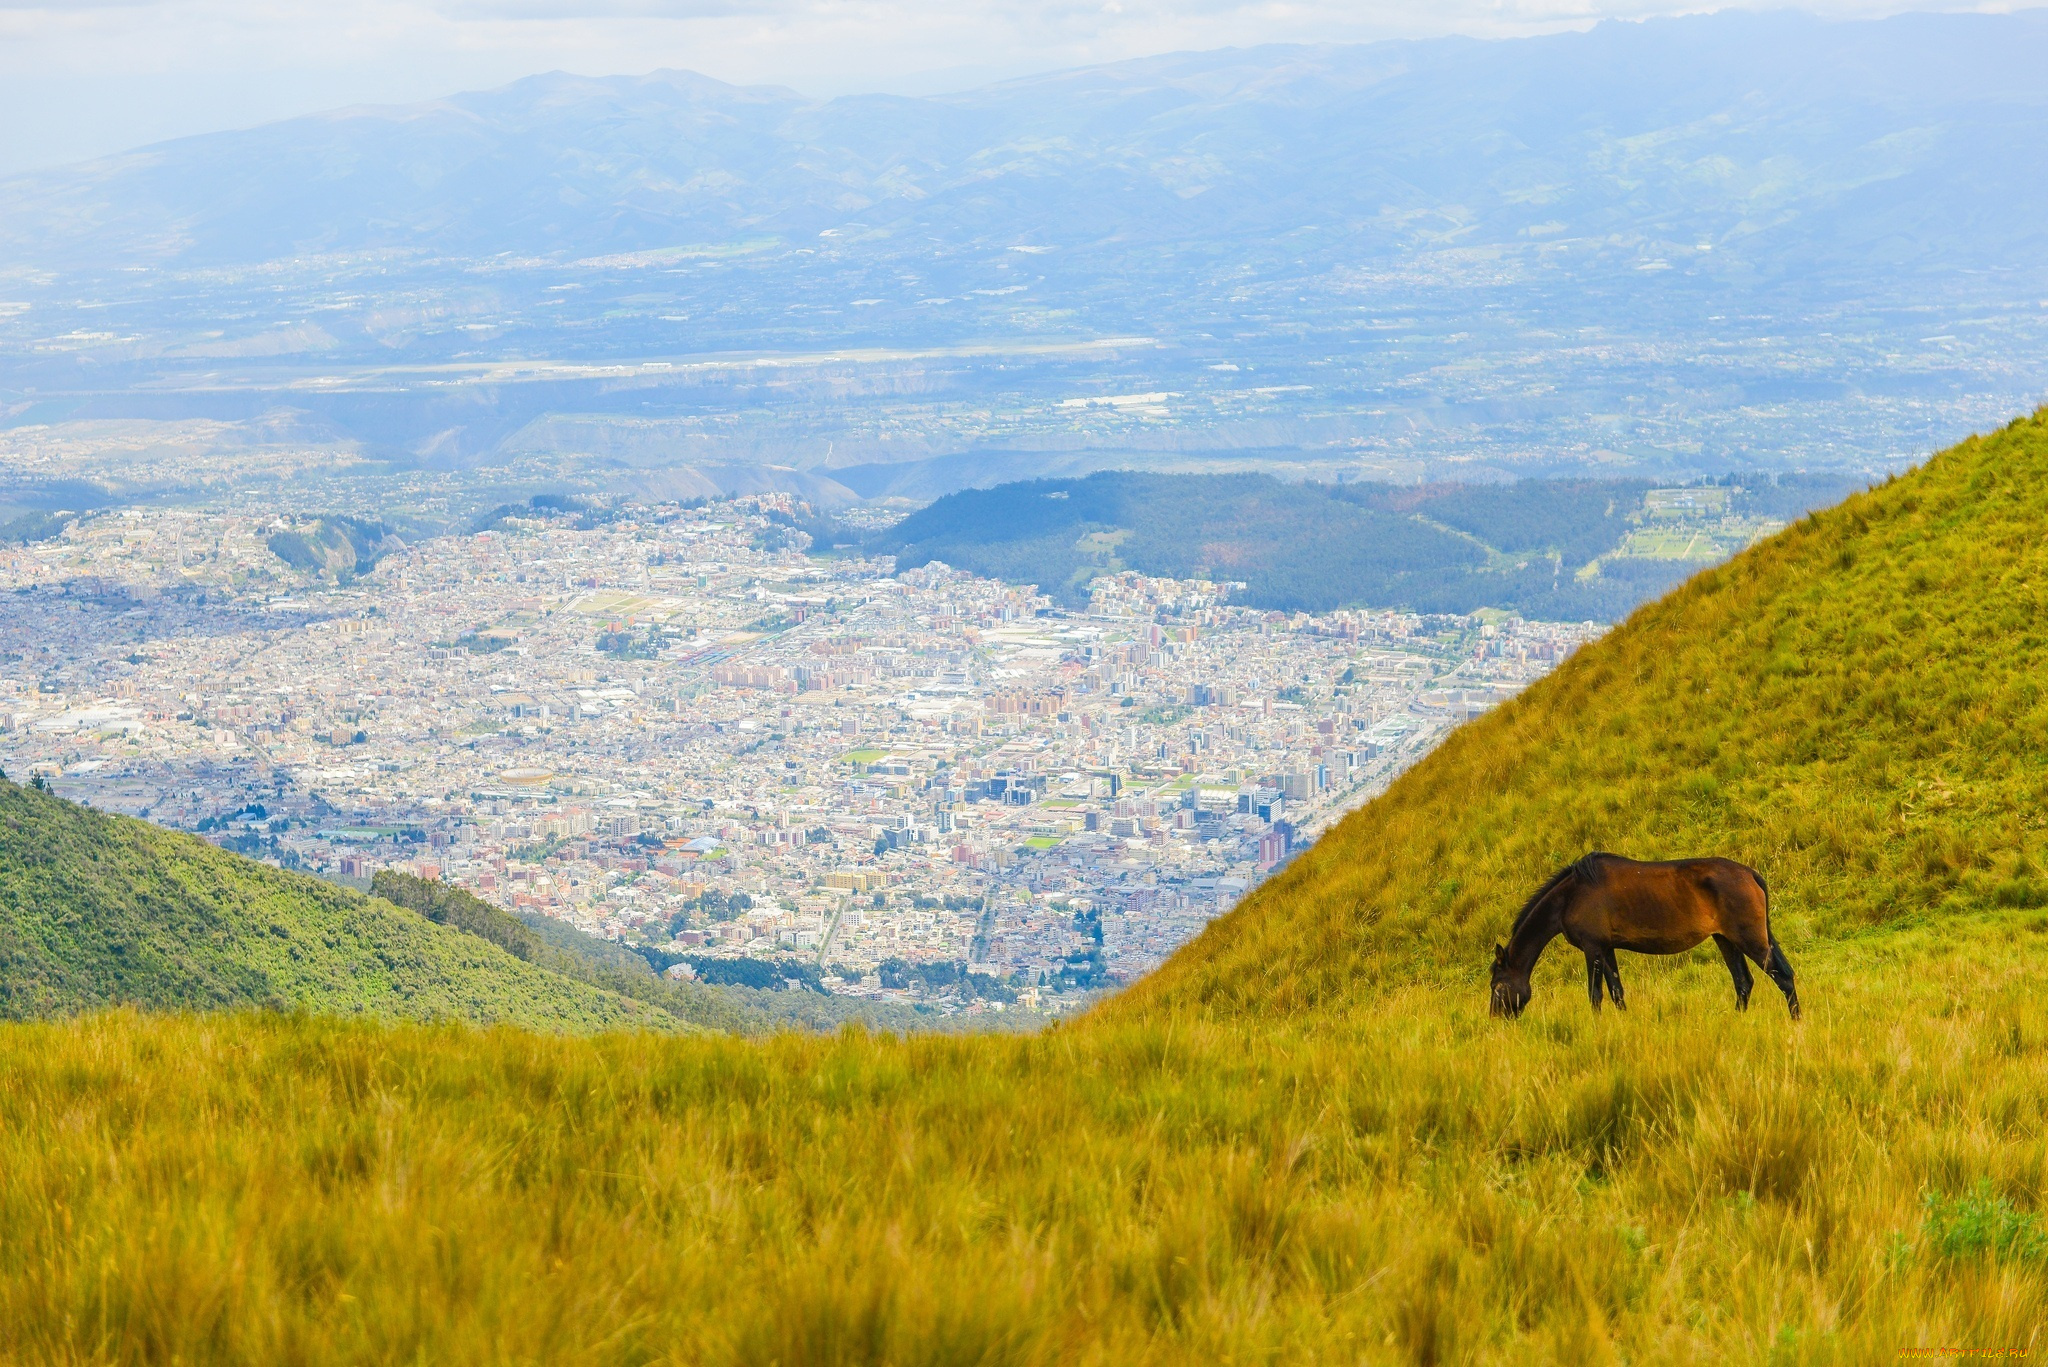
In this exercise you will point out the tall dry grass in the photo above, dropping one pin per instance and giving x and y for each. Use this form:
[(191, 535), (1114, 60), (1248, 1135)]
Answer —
[(1408, 1181)]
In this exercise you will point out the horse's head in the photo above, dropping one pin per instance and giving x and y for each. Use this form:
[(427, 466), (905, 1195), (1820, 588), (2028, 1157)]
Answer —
[(1510, 988)]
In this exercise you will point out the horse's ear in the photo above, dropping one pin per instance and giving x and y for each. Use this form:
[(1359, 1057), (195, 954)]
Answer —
[(1500, 954)]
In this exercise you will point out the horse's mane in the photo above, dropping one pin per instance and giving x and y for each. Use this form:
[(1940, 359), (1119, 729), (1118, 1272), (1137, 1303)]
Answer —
[(1556, 880)]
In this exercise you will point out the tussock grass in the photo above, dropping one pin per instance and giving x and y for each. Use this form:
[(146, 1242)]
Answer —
[(1408, 1181), (1302, 1141)]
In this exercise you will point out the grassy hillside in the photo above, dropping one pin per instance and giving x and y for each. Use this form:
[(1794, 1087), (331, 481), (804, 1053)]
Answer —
[(564, 952), (1856, 708), (1305, 1141), (100, 910)]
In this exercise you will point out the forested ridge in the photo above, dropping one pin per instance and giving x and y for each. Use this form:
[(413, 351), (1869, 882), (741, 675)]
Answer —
[(1523, 547)]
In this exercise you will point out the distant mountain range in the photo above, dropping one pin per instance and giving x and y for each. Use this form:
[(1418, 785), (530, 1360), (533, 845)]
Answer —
[(1678, 246), (1781, 141)]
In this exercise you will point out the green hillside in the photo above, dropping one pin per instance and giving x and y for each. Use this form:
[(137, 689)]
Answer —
[(1303, 1141), (99, 911), (1558, 550)]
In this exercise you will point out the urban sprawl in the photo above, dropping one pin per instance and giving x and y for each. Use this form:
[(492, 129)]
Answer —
[(674, 727)]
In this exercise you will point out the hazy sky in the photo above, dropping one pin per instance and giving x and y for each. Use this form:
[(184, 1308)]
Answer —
[(79, 78)]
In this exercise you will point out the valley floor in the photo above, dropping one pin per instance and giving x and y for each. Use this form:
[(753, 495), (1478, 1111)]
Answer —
[(1408, 1181)]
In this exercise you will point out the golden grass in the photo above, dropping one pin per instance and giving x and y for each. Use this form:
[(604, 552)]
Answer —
[(1408, 1181)]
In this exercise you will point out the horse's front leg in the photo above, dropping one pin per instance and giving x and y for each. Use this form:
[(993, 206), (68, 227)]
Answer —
[(1593, 977)]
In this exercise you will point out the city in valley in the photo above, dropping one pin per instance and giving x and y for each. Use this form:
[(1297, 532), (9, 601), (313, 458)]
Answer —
[(672, 726)]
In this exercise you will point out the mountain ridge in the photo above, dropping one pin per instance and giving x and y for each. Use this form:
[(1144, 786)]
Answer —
[(1547, 550), (662, 156)]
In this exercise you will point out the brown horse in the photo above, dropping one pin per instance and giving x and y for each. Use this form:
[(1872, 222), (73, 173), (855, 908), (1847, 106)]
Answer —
[(1605, 902)]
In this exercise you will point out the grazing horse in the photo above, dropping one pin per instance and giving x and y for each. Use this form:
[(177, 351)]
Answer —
[(1605, 902)]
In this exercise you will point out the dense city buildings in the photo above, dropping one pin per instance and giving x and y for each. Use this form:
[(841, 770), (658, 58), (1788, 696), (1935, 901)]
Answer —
[(673, 726)]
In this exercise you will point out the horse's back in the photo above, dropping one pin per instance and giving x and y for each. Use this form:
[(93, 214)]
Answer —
[(1602, 861), (1726, 877), (1668, 905)]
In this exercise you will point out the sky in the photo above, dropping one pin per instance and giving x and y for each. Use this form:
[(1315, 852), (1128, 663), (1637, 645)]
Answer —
[(83, 78)]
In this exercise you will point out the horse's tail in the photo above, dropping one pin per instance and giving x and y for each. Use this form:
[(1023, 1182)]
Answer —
[(1765, 889)]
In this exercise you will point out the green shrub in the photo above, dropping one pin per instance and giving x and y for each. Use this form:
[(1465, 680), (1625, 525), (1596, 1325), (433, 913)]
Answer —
[(1978, 1223)]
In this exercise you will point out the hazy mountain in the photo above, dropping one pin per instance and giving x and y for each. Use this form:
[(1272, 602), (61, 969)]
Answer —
[(1711, 242), (1901, 140), (1906, 140)]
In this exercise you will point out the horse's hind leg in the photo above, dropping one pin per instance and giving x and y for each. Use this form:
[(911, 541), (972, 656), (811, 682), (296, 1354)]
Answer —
[(1737, 969), (1593, 979), (1613, 972), (1780, 971)]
